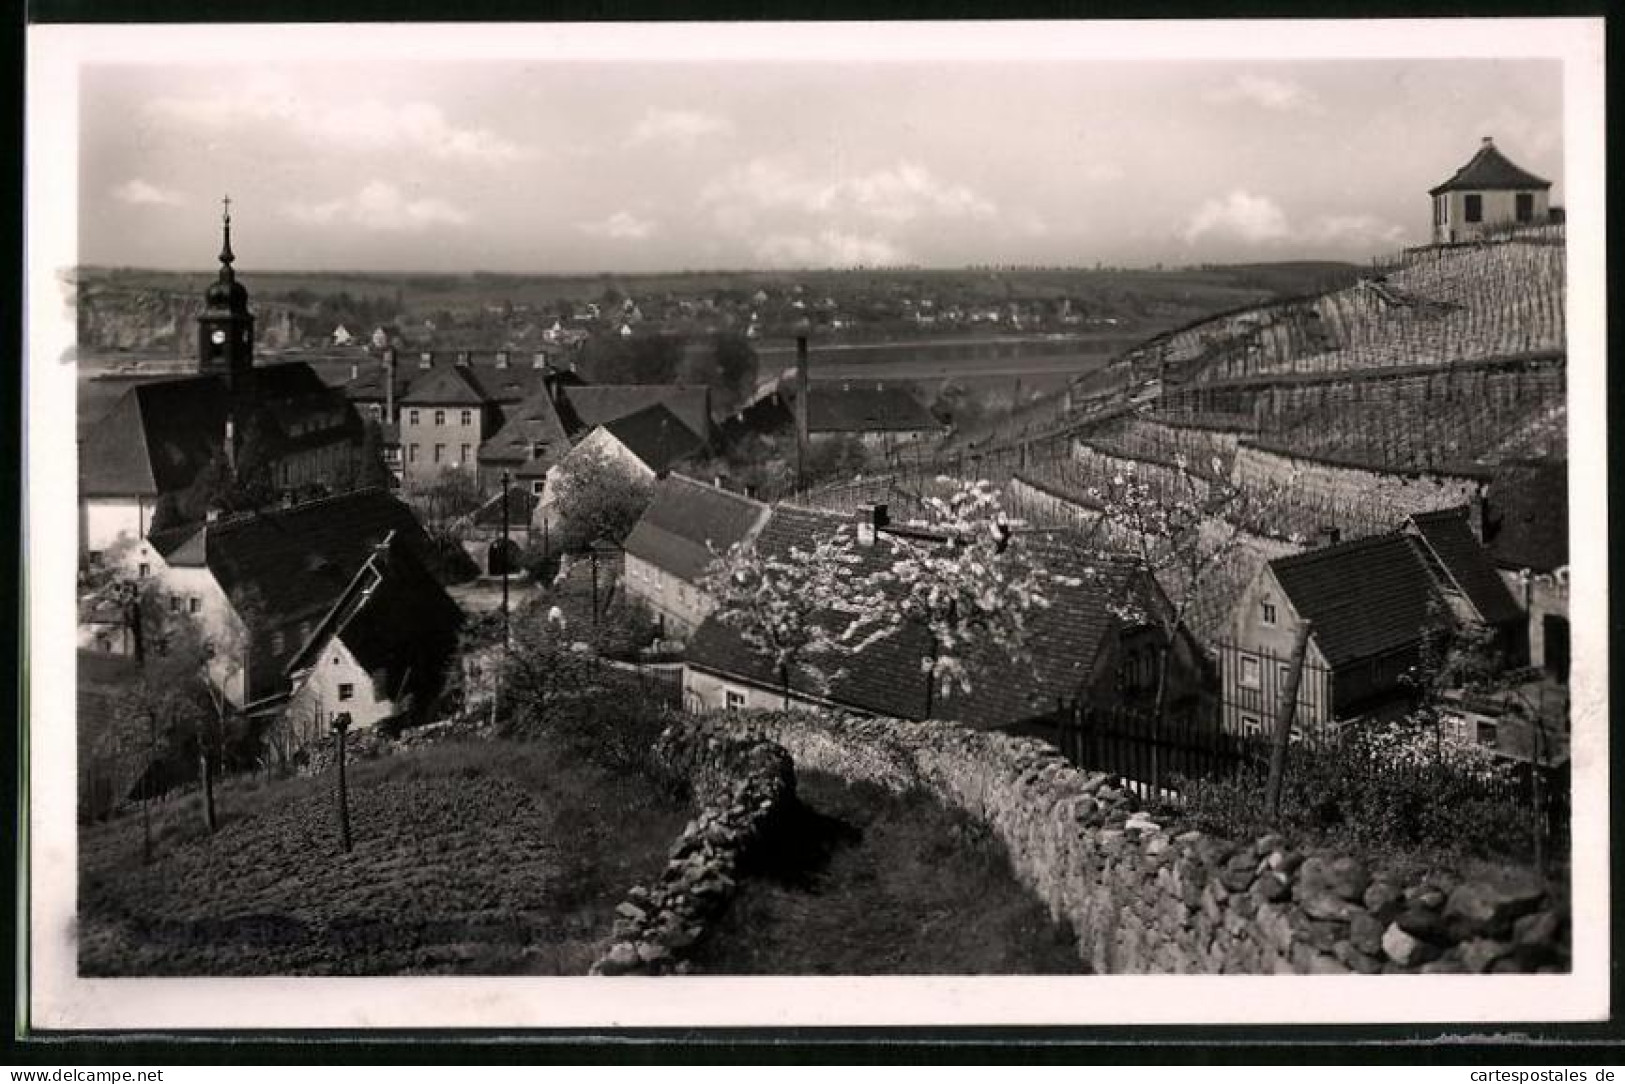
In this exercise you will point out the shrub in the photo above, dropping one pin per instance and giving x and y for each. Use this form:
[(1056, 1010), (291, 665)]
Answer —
[(1378, 788)]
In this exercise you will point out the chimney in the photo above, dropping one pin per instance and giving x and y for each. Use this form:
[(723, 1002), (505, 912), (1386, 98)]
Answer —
[(802, 384), (1330, 536), (1489, 141), (426, 360), (716, 481), (211, 515), (389, 386)]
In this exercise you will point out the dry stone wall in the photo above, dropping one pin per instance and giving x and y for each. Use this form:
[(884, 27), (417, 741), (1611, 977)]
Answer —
[(741, 784), (1147, 897)]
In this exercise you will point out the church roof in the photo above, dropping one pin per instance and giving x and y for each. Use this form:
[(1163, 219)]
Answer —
[(1490, 169)]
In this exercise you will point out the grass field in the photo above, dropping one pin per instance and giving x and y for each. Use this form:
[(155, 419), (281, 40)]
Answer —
[(491, 858), (877, 884)]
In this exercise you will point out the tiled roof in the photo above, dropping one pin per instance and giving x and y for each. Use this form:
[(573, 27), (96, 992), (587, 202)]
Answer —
[(886, 678), (656, 436), (398, 623), (1490, 169), (587, 406), (1367, 598), (532, 422), (1450, 538), (159, 435), (1526, 522), (865, 408), (497, 383), (449, 385), (285, 566), (686, 520), (155, 439)]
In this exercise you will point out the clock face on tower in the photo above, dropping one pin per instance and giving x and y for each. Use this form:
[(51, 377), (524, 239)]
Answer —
[(218, 337)]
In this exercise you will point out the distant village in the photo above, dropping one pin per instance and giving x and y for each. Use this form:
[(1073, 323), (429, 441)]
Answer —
[(1311, 515)]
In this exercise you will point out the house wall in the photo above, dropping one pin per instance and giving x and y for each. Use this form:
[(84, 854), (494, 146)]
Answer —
[(1271, 645), (103, 521), (219, 621), (1499, 208), (420, 434), (683, 605), (1540, 596), (318, 691), (704, 691)]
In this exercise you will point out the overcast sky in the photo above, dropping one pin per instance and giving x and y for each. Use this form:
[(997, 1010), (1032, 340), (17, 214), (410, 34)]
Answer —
[(576, 166)]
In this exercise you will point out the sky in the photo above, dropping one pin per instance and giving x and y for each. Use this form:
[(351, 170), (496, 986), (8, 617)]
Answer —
[(605, 165)]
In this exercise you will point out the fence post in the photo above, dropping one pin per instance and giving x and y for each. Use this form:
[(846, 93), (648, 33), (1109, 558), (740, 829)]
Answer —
[(1283, 720)]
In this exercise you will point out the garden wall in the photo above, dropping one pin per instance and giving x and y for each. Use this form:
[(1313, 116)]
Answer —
[(1144, 898)]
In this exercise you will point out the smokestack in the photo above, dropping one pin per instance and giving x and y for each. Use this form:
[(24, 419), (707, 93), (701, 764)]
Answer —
[(802, 383)]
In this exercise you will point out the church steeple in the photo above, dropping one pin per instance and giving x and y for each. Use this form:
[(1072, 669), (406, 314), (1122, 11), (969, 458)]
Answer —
[(226, 327)]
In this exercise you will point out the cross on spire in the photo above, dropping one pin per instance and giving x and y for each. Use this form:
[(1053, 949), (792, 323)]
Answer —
[(226, 256)]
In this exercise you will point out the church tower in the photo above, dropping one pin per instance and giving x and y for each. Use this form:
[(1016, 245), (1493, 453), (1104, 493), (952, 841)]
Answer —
[(225, 328)]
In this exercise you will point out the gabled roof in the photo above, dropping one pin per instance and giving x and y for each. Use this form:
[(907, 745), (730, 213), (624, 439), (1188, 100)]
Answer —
[(1367, 598), (159, 435), (1526, 521), (1490, 169), (886, 679), (865, 408), (587, 406), (155, 438), (1448, 535), (532, 422), (448, 385), (397, 622), (656, 436), (687, 520)]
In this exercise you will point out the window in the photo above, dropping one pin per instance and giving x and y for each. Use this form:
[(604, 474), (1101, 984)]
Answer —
[(1250, 726), (346, 691), (439, 453), (411, 453), (463, 455), (1269, 613), (174, 604), (1249, 672), (538, 449), (440, 417), (468, 417), (1486, 733), (1526, 206), (143, 570), (734, 700), (1473, 207), (412, 417), (193, 605), (536, 487)]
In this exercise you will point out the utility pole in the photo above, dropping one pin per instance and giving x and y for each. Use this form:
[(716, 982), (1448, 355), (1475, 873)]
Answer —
[(341, 726), (506, 556), (1283, 721)]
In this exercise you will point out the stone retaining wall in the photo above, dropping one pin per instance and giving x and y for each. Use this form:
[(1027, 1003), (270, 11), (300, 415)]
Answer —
[(1144, 897), (741, 784)]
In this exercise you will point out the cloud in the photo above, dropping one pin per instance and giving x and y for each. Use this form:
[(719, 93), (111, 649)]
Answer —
[(1239, 216), (1103, 172), (620, 226), (898, 194), (828, 248), (1355, 231), (380, 207), (1281, 95), (364, 125), (680, 127), (139, 193)]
